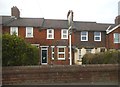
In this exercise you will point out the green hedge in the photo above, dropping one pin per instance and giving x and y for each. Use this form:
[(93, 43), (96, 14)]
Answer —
[(109, 57), (15, 51)]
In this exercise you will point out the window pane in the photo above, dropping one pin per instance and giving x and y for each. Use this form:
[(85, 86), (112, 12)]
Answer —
[(97, 38), (50, 31), (116, 37), (84, 38), (61, 49), (64, 36), (64, 31), (61, 55)]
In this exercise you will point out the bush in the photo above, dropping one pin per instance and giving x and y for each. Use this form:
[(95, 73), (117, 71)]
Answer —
[(15, 51), (109, 57)]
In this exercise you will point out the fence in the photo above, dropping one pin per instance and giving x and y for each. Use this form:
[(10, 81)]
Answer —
[(60, 74)]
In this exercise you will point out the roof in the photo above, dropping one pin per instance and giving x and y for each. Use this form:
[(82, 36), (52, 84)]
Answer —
[(11, 21), (54, 23), (91, 26)]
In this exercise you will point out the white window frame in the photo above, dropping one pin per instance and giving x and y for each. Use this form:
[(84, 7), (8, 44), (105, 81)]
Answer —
[(64, 34), (79, 54), (14, 30), (52, 33), (61, 52), (52, 52), (29, 36), (84, 35), (97, 36), (118, 41)]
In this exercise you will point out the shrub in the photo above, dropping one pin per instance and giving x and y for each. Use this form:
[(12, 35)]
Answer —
[(15, 51), (109, 57)]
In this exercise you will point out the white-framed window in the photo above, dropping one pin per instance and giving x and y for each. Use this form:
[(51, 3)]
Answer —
[(64, 34), (61, 53), (79, 54), (29, 32), (52, 50), (50, 33), (97, 36), (14, 30), (88, 50), (116, 38), (84, 36)]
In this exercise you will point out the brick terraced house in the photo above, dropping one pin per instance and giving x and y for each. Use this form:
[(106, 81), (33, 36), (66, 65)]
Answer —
[(51, 37)]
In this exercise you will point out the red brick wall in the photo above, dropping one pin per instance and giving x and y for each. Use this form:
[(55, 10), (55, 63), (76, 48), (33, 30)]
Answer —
[(60, 74), (110, 40), (90, 43)]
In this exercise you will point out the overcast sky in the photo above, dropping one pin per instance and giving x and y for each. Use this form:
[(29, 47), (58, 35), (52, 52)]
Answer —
[(101, 11)]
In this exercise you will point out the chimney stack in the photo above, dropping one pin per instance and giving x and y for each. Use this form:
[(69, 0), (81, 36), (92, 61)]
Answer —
[(15, 12), (117, 20)]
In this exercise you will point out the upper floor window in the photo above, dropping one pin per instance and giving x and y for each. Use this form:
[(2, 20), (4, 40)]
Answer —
[(64, 34), (14, 30), (50, 33), (97, 36), (84, 36), (116, 38), (29, 31)]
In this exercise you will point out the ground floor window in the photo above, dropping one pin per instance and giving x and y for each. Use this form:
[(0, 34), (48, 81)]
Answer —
[(61, 53), (88, 50), (52, 50), (79, 54)]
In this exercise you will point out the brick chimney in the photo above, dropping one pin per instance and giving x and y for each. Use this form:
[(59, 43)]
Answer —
[(117, 20), (15, 12)]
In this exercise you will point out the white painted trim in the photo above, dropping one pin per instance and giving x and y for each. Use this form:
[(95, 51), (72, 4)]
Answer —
[(44, 46), (61, 46), (109, 31)]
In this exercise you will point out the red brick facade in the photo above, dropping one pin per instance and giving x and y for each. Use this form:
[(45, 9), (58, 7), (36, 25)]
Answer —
[(110, 40)]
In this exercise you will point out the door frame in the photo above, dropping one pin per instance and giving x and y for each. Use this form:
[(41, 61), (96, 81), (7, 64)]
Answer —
[(44, 48)]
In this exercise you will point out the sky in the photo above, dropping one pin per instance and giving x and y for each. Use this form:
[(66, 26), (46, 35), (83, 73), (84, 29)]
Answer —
[(100, 11)]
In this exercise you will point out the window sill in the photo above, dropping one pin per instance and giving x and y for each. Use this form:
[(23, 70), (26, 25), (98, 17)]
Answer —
[(116, 42), (50, 38), (97, 40), (29, 37), (84, 40), (61, 58), (64, 38)]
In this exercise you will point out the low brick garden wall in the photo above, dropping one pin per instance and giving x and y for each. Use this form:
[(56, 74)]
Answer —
[(45, 74)]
